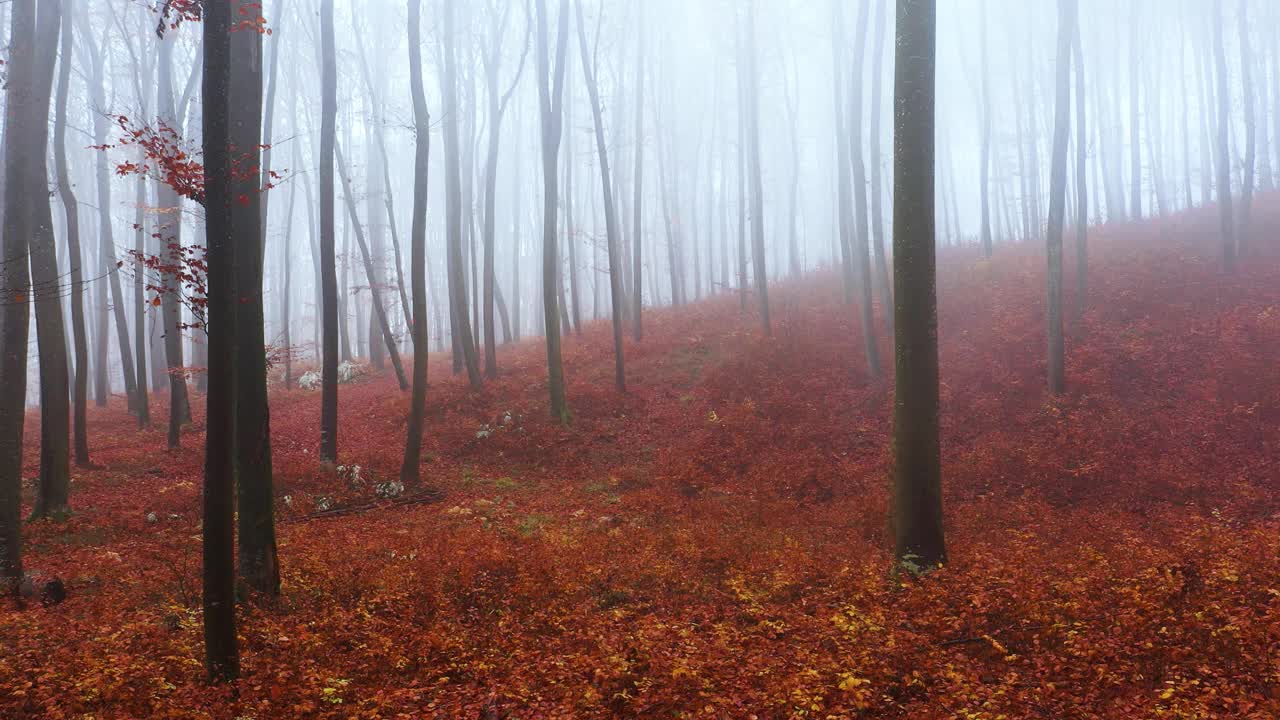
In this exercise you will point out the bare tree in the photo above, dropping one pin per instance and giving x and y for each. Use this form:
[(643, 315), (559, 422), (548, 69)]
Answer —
[(551, 104), (71, 213), (749, 85), (1250, 130), (409, 468), (1224, 153), (55, 465), (917, 498), (328, 270), (1058, 195), (492, 59), (222, 658), (610, 211)]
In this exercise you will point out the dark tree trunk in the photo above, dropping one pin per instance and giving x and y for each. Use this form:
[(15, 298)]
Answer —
[(984, 174), (259, 566), (55, 408), (19, 158), (328, 270), (551, 103), (222, 660), (1135, 146), (71, 210), (409, 468), (917, 498)]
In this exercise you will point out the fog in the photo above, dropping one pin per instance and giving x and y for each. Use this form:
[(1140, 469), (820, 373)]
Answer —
[(995, 74)]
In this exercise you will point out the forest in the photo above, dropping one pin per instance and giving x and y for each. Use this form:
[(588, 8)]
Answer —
[(725, 359)]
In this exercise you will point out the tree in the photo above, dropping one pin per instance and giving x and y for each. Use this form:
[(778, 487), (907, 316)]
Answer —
[(984, 174), (418, 249), (19, 158), (1135, 148), (610, 210), (917, 499), (169, 235), (95, 62), (328, 270), (1058, 196), (1250, 130), (877, 208), (71, 213), (259, 566), (459, 320), (858, 233), (749, 85), (551, 105), (375, 292), (222, 660), (1082, 192), (637, 186), (1228, 219), (54, 483), (492, 58)]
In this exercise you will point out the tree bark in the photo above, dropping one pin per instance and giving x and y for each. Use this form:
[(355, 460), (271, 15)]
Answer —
[(409, 467), (222, 661), (328, 271), (551, 103), (71, 211), (54, 484), (919, 540), (259, 565)]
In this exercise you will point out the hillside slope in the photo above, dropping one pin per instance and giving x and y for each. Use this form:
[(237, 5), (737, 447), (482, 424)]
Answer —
[(713, 544)]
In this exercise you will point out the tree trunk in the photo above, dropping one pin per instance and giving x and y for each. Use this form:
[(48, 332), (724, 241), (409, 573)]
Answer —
[(637, 187), (20, 158), (222, 661), (456, 273), (259, 565), (1082, 190), (1250, 131), (71, 209), (379, 309), (409, 467), (860, 251), (1135, 149), (1058, 196), (328, 270), (752, 100), (551, 102), (1228, 219), (917, 498), (877, 198), (55, 466)]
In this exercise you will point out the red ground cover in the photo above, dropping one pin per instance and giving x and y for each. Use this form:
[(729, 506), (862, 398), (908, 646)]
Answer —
[(714, 543)]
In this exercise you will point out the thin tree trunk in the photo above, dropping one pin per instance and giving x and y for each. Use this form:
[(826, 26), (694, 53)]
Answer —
[(637, 187), (1250, 131), (71, 210), (328, 271), (1224, 155), (1058, 196), (409, 468), (379, 309), (551, 102), (877, 197), (754, 170)]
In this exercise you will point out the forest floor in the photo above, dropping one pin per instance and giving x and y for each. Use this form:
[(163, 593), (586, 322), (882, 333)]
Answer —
[(714, 543)]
